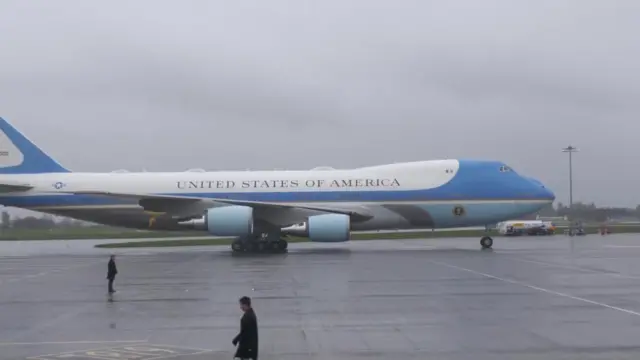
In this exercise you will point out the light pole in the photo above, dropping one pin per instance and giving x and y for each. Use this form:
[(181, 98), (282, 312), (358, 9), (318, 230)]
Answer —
[(570, 149)]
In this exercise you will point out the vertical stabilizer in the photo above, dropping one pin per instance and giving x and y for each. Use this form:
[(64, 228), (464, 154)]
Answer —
[(18, 155)]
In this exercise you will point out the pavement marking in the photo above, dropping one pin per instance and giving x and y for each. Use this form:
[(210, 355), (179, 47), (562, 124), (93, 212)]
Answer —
[(570, 267), (622, 246), (127, 352), (533, 287), (71, 342)]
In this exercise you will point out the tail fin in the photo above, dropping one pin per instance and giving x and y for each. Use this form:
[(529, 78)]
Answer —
[(18, 155)]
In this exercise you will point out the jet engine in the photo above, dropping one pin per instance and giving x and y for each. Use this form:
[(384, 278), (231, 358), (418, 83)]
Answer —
[(323, 228), (231, 220)]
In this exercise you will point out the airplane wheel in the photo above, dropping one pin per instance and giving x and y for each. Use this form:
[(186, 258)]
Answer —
[(486, 242), (282, 245), (236, 246), (250, 247), (257, 246), (273, 246)]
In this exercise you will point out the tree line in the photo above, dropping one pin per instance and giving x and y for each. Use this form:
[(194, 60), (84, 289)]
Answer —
[(591, 212), (41, 222)]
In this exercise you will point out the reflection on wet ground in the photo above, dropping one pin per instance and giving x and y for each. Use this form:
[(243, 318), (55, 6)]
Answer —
[(529, 298)]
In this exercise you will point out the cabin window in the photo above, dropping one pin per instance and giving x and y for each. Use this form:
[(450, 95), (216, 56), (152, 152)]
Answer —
[(505, 169)]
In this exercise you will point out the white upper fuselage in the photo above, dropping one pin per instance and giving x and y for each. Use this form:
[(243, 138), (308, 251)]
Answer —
[(394, 177)]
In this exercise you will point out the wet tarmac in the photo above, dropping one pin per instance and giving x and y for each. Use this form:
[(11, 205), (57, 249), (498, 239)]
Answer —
[(529, 298)]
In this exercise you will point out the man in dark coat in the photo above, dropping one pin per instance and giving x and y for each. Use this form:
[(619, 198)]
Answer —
[(247, 339), (111, 273)]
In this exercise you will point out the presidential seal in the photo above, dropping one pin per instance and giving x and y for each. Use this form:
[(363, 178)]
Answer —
[(458, 211)]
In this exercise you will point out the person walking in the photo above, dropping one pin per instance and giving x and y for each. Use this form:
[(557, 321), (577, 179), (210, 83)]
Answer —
[(112, 271), (247, 339)]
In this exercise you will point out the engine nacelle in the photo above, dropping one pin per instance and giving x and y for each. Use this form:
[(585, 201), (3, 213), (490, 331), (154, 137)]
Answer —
[(229, 220), (329, 228)]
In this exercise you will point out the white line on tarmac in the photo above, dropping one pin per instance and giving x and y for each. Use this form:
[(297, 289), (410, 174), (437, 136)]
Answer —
[(198, 351), (533, 287), (71, 342), (569, 267), (181, 355)]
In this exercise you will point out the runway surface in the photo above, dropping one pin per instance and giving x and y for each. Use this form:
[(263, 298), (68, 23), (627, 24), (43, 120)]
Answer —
[(529, 298)]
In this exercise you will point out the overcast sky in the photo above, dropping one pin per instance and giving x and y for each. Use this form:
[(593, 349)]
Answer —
[(172, 85)]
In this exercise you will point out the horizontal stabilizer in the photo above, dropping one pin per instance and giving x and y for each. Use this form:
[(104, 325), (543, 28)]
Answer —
[(14, 187)]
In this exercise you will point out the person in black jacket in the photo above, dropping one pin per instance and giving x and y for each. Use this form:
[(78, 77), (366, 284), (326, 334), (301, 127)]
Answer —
[(111, 273), (247, 339)]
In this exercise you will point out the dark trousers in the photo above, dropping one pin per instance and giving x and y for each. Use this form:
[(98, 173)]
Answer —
[(111, 284)]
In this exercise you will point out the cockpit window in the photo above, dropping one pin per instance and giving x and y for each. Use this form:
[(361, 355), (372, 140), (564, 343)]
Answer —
[(504, 168)]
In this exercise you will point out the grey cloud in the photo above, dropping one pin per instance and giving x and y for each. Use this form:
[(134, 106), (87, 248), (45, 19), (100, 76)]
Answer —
[(290, 84)]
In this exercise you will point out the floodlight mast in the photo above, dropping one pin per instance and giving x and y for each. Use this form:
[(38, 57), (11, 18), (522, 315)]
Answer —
[(570, 149)]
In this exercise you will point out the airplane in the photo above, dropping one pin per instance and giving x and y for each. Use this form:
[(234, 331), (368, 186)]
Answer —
[(254, 207)]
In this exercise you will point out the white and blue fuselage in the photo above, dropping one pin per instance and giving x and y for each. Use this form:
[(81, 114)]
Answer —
[(412, 195)]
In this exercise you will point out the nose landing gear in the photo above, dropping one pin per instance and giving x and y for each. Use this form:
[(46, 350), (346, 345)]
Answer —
[(486, 242)]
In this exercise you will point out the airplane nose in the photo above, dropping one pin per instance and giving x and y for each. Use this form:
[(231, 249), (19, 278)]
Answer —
[(542, 191), (548, 194)]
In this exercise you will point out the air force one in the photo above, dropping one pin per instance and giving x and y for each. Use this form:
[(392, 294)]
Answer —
[(260, 208)]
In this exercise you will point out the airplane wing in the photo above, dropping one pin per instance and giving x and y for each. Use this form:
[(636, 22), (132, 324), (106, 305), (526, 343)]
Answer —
[(185, 207)]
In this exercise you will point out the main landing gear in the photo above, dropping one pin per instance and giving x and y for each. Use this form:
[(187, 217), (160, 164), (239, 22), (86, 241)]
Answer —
[(261, 243), (486, 242)]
